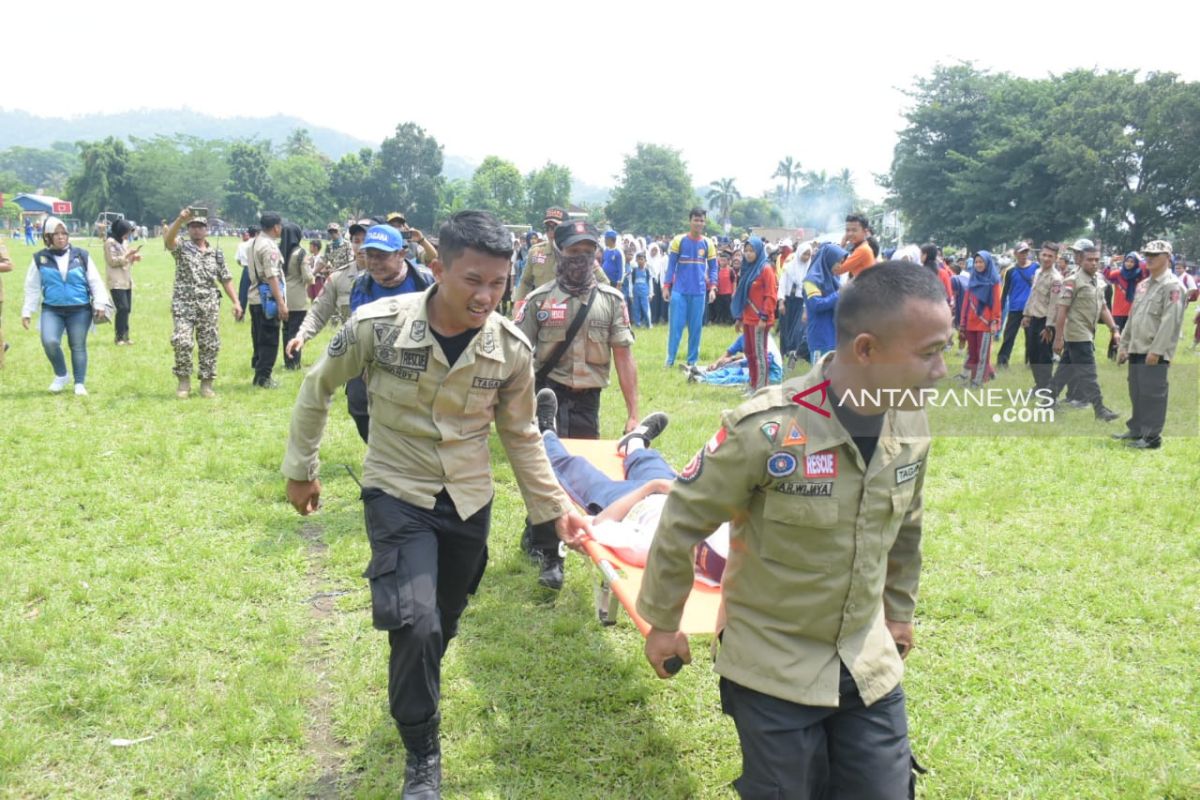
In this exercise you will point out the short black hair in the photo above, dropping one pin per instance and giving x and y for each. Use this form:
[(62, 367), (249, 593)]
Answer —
[(880, 292), (860, 219), (697, 212), (269, 219), (253, 230), (473, 230)]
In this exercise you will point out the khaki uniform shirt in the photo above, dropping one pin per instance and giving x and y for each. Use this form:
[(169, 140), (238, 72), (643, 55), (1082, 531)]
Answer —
[(544, 320), (541, 267), (117, 261), (1047, 286), (334, 299), (299, 277), (1155, 318), (823, 547), (266, 262), (1083, 295), (430, 421)]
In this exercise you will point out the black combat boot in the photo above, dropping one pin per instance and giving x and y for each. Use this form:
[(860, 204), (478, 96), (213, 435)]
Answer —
[(423, 769)]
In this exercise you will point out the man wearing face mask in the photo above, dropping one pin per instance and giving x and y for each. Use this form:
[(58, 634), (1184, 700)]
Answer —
[(578, 326)]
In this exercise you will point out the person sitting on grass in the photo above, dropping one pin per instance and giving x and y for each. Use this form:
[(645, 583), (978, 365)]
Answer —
[(625, 511)]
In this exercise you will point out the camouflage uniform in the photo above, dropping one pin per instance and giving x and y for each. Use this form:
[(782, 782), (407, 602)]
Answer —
[(196, 307)]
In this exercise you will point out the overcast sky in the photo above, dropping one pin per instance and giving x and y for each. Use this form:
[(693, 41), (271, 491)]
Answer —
[(735, 87)]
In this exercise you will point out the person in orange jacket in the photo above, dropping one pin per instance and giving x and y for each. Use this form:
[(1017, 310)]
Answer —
[(980, 317), (753, 307)]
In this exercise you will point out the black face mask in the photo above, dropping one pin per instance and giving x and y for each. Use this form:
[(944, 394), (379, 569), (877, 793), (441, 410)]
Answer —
[(575, 273)]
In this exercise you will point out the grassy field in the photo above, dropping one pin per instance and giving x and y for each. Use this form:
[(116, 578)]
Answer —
[(155, 584)]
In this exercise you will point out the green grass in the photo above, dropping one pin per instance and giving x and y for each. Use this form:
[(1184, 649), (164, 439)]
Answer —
[(154, 583)]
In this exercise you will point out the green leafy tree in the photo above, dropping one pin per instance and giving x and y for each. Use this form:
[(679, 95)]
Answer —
[(350, 183), (407, 175), (789, 170), (44, 171), (655, 192), (299, 143), (454, 198), (545, 187), (11, 185), (301, 190), (497, 186), (722, 194), (172, 172), (755, 212), (249, 190), (103, 182)]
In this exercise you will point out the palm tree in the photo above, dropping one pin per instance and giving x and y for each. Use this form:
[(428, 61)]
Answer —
[(789, 170), (723, 195)]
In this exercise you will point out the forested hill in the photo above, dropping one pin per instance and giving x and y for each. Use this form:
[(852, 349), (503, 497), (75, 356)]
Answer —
[(20, 128)]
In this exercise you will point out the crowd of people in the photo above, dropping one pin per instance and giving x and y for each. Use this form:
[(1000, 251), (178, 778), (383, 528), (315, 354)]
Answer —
[(429, 366)]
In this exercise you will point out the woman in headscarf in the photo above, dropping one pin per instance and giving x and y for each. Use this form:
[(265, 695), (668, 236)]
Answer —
[(791, 303), (1124, 280), (821, 287), (63, 281), (297, 276), (118, 259), (753, 307), (981, 315)]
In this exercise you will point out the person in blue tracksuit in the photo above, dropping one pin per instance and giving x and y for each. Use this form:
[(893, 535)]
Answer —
[(689, 285)]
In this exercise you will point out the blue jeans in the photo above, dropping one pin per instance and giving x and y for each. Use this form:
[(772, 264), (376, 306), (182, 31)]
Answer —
[(591, 488), (685, 309), (75, 320), (641, 305)]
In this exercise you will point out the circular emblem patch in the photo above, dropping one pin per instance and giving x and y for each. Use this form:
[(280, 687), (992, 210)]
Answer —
[(542, 316), (780, 465)]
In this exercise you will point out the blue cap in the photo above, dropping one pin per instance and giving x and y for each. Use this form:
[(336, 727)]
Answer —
[(610, 234), (383, 237)]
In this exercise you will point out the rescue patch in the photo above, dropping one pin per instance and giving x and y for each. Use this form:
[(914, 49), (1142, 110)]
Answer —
[(416, 331), (821, 465), (907, 473), (555, 313), (770, 430), (803, 489), (415, 359), (716, 441), (781, 464), (485, 383), (794, 435), (692, 470)]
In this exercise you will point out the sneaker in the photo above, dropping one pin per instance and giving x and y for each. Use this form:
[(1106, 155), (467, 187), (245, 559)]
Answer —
[(547, 410), (58, 384), (120, 342), (1106, 414), (650, 427), (1145, 444), (80, 390), (267, 383)]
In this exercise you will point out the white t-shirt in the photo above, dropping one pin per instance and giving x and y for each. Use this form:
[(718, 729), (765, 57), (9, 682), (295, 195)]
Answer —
[(630, 538)]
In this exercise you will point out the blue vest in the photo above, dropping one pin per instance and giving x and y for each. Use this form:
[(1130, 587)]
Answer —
[(74, 290)]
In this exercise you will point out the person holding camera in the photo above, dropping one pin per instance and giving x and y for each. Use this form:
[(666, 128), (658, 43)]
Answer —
[(268, 305), (195, 301), (118, 258)]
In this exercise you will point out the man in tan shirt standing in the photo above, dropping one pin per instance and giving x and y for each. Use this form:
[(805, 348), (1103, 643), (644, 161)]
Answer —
[(1039, 330), (266, 270), (822, 481), (441, 367), (1151, 336)]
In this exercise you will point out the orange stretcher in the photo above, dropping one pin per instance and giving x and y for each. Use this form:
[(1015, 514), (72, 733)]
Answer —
[(622, 580)]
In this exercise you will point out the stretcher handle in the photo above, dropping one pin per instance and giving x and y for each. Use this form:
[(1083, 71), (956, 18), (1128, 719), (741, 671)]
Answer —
[(618, 586)]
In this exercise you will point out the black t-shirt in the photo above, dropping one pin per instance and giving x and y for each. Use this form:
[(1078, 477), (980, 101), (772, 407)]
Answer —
[(453, 346), (864, 429)]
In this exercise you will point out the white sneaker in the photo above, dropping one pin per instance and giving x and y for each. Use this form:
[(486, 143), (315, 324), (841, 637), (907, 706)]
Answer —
[(80, 391), (58, 384)]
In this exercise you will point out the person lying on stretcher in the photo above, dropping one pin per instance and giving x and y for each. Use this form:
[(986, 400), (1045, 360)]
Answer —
[(627, 511)]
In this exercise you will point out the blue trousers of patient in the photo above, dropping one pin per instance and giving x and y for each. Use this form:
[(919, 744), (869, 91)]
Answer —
[(591, 488)]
